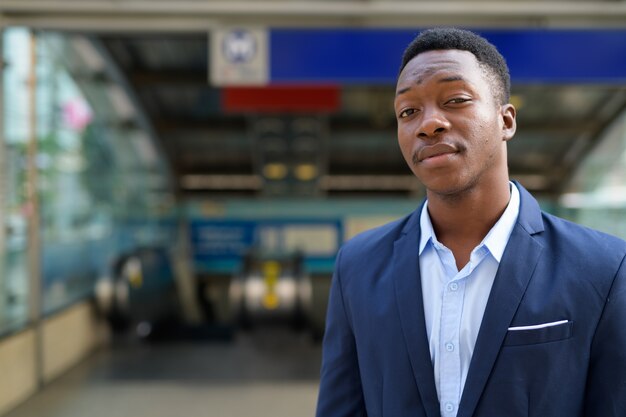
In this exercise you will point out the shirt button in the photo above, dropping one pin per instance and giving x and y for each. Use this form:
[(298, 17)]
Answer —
[(449, 347), (454, 286), (449, 407)]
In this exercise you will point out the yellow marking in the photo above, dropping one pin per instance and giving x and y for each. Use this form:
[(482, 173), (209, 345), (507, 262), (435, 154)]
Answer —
[(271, 268), (306, 172), (135, 280), (275, 171), (271, 272), (270, 301)]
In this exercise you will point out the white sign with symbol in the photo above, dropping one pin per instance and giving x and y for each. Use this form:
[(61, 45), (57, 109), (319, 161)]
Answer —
[(238, 56)]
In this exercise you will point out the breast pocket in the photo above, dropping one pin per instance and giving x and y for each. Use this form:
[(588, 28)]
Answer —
[(542, 333)]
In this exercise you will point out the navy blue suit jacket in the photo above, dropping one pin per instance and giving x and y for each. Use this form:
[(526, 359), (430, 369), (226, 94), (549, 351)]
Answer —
[(376, 360)]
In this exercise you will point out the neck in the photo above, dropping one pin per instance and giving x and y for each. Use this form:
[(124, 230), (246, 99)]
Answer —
[(465, 218)]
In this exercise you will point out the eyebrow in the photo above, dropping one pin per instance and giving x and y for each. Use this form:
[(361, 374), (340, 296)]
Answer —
[(450, 79), (402, 91)]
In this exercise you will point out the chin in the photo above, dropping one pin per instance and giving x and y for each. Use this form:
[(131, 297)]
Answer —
[(447, 188)]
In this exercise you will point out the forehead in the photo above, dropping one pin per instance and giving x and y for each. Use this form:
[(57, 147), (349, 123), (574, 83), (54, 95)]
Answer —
[(440, 63)]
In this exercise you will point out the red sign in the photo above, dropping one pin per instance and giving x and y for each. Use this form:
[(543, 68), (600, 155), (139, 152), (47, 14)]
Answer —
[(281, 99)]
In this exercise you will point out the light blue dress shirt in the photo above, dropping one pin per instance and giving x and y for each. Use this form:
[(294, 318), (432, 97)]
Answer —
[(454, 301)]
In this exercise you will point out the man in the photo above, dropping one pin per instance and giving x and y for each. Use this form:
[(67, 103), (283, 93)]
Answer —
[(477, 304)]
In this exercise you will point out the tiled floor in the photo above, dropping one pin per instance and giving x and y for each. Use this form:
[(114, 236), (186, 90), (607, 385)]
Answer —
[(268, 374)]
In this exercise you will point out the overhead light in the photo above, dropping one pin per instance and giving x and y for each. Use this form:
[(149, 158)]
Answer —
[(533, 181), (603, 197), (275, 171), (221, 182), (306, 172), (574, 200), (369, 182)]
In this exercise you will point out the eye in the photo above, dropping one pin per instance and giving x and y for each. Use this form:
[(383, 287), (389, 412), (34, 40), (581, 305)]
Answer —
[(406, 113), (458, 100)]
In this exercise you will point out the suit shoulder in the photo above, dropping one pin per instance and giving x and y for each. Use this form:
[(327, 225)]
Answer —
[(592, 256), (366, 256), (376, 240), (591, 241)]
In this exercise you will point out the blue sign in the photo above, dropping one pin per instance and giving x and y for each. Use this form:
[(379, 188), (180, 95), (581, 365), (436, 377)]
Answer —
[(372, 56), (220, 245), (222, 239)]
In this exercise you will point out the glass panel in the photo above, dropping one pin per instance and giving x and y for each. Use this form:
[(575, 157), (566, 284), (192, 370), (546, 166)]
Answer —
[(95, 177), (15, 208), (597, 193), (103, 190)]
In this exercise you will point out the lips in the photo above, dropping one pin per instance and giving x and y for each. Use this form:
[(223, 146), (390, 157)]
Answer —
[(436, 150)]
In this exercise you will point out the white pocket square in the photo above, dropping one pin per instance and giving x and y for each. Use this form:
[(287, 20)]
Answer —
[(538, 326)]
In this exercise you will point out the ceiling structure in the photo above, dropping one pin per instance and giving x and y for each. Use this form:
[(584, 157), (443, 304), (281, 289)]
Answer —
[(162, 53), (211, 151)]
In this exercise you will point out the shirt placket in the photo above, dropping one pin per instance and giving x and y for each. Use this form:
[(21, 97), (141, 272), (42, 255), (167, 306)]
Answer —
[(450, 364)]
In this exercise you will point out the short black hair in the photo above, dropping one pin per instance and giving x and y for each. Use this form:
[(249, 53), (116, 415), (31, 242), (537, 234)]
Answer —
[(490, 60)]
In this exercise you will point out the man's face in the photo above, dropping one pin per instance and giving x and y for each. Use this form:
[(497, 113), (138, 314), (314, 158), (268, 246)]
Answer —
[(451, 130)]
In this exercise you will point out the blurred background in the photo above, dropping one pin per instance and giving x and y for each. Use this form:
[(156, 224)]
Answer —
[(177, 177)]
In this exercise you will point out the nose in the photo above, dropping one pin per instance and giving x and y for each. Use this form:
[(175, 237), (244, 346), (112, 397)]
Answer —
[(433, 123)]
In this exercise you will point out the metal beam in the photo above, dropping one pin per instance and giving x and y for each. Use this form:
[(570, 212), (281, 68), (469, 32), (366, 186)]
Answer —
[(35, 293), (4, 170), (189, 15), (315, 8)]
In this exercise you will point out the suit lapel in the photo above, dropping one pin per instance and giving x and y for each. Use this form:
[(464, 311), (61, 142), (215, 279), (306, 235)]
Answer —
[(516, 268), (407, 281)]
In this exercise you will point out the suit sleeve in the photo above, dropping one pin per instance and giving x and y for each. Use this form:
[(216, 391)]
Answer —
[(340, 392), (606, 381)]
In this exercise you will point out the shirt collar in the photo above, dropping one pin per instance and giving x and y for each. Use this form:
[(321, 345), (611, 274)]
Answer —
[(496, 239), (426, 228)]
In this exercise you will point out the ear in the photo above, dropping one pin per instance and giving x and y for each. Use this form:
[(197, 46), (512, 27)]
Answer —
[(509, 124)]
